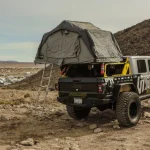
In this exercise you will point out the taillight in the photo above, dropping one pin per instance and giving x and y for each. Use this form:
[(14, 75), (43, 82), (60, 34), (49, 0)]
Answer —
[(102, 69), (63, 71), (101, 88)]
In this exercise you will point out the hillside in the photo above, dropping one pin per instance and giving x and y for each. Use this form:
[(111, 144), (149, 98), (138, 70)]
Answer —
[(33, 82), (135, 40)]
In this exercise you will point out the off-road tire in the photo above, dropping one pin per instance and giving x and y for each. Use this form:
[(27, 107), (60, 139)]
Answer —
[(78, 113), (128, 109)]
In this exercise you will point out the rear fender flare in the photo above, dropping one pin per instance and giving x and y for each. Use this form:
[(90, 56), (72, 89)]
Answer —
[(123, 87)]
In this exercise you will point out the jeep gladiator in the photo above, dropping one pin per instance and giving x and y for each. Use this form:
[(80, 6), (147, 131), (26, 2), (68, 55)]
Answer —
[(121, 91)]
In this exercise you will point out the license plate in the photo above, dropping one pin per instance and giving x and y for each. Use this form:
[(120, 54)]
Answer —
[(78, 100)]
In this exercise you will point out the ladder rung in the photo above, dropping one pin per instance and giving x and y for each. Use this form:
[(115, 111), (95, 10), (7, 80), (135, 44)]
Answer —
[(45, 77)]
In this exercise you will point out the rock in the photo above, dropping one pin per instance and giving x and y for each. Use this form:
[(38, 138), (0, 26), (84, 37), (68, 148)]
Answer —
[(27, 74), (28, 142), (26, 105), (5, 118), (18, 145), (12, 148), (116, 127), (26, 95), (80, 124), (74, 145), (21, 110), (136, 128), (39, 108), (75, 148), (70, 138), (147, 121), (55, 146), (56, 139), (98, 130), (115, 124), (37, 147), (94, 109), (17, 106), (147, 114), (7, 107), (28, 100), (145, 105), (58, 113), (93, 126)]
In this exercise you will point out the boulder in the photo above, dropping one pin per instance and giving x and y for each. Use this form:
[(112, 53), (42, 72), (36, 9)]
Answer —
[(28, 142), (98, 130), (93, 126)]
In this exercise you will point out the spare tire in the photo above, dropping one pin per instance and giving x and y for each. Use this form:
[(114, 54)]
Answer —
[(128, 109)]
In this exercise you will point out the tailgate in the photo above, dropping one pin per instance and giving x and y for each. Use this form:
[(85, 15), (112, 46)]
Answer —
[(78, 85)]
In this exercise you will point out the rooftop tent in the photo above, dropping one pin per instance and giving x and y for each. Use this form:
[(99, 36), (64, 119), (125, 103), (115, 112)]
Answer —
[(74, 42)]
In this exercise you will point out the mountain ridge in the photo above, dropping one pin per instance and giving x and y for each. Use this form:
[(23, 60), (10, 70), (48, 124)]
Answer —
[(135, 40)]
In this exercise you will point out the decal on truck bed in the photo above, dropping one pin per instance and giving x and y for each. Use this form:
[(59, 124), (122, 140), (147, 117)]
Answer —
[(141, 85), (109, 81)]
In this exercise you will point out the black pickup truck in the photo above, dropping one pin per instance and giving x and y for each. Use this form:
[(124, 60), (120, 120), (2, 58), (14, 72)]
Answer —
[(122, 93)]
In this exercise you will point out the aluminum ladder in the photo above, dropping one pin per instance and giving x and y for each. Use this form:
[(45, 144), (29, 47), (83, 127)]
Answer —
[(49, 68)]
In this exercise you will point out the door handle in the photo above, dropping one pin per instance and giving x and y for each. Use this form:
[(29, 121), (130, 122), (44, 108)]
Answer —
[(141, 77)]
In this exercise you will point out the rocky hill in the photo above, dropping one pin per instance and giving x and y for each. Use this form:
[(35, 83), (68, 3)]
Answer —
[(135, 40)]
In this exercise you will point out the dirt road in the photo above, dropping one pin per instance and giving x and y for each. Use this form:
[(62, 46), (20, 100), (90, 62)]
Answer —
[(55, 130)]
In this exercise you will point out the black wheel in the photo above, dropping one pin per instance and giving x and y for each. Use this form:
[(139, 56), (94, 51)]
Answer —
[(78, 113), (128, 109)]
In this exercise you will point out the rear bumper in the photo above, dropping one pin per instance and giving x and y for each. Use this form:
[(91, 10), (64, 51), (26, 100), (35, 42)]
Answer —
[(86, 102)]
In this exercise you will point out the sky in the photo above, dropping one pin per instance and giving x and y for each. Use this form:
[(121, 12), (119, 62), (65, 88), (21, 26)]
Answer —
[(23, 22)]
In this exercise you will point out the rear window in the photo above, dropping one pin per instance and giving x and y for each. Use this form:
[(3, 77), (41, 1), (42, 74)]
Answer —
[(141, 66), (114, 69)]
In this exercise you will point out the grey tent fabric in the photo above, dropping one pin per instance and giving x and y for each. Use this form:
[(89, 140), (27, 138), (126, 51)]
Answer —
[(74, 42), (62, 46), (104, 45)]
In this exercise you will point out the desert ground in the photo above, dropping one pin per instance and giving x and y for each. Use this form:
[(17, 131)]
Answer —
[(47, 126)]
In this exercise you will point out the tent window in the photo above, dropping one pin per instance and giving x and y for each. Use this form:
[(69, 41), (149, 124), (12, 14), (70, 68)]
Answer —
[(66, 32)]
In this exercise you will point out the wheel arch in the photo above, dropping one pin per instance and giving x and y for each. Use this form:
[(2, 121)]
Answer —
[(123, 87)]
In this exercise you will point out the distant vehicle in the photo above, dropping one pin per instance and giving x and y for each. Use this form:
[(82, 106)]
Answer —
[(119, 86)]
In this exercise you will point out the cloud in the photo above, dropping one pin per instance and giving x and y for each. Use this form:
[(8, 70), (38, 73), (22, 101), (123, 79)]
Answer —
[(23, 22), (19, 46), (20, 51), (43, 15), (8, 57)]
